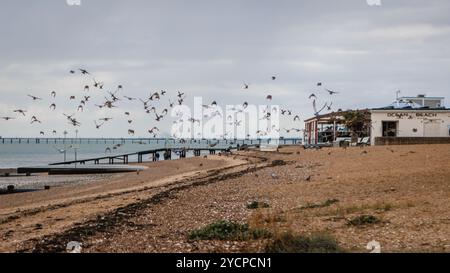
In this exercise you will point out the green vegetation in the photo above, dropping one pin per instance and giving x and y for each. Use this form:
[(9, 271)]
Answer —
[(327, 203), (364, 220), (290, 243), (258, 205), (227, 230)]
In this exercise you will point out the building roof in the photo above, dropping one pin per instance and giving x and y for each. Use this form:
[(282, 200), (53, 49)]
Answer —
[(332, 116), (409, 108)]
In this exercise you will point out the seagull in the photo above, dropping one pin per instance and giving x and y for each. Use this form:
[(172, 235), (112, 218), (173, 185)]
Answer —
[(127, 113), (329, 106), (246, 86), (53, 94), (331, 92), (20, 111), (34, 119), (7, 118), (105, 119), (319, 84), (98, 125), (72, 71), (274, 78), (86, 88), (72, 98), (269, 97), (84, 71), (53, 106), (180, 95), (69, 117), (297, 118), (42, 133), (34, 97), (107, 150), (131, 132), (129, 98), (312, 96), (155, 96)]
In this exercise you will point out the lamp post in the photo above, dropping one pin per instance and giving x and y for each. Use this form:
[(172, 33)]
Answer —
[(76, 148), (65, 147)]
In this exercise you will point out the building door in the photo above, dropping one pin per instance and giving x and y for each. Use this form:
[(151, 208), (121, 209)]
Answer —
[(390, 128), (432, 128)]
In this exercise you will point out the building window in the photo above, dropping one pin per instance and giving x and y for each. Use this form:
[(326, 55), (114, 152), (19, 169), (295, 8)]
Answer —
[(390, 128)]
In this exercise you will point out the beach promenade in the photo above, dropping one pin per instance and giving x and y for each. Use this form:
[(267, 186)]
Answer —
[(404, 189)]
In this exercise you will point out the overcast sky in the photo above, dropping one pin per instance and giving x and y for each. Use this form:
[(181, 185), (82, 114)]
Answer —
[(210, 48)]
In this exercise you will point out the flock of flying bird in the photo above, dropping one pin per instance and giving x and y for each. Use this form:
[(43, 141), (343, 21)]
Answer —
[(149, 104)]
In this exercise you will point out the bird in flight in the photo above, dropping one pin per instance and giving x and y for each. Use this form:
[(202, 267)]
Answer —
[(312, 96), (274, 78), (53, 94), (269, 97), (34, 97), (98, 126), (34, 119), (105, 119), (297, 118), (331, 92), (20, 111), (7, 118), (84, 71), (246, 86), (53, 106), (129, 98)]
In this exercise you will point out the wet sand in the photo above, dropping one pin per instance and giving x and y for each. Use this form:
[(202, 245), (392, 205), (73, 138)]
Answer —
[(408, 187)]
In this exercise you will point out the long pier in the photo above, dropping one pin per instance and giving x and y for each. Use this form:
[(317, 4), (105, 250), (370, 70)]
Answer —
[(143, 141), (167, 155)]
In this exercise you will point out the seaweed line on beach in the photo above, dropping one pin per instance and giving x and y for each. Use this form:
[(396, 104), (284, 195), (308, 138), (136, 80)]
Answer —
[(109, 221)]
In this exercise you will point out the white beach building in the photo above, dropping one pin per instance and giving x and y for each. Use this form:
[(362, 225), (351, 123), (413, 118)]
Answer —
[(411, 120)]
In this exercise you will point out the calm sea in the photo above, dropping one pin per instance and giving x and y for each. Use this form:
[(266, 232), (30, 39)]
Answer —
[(26, 152)]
